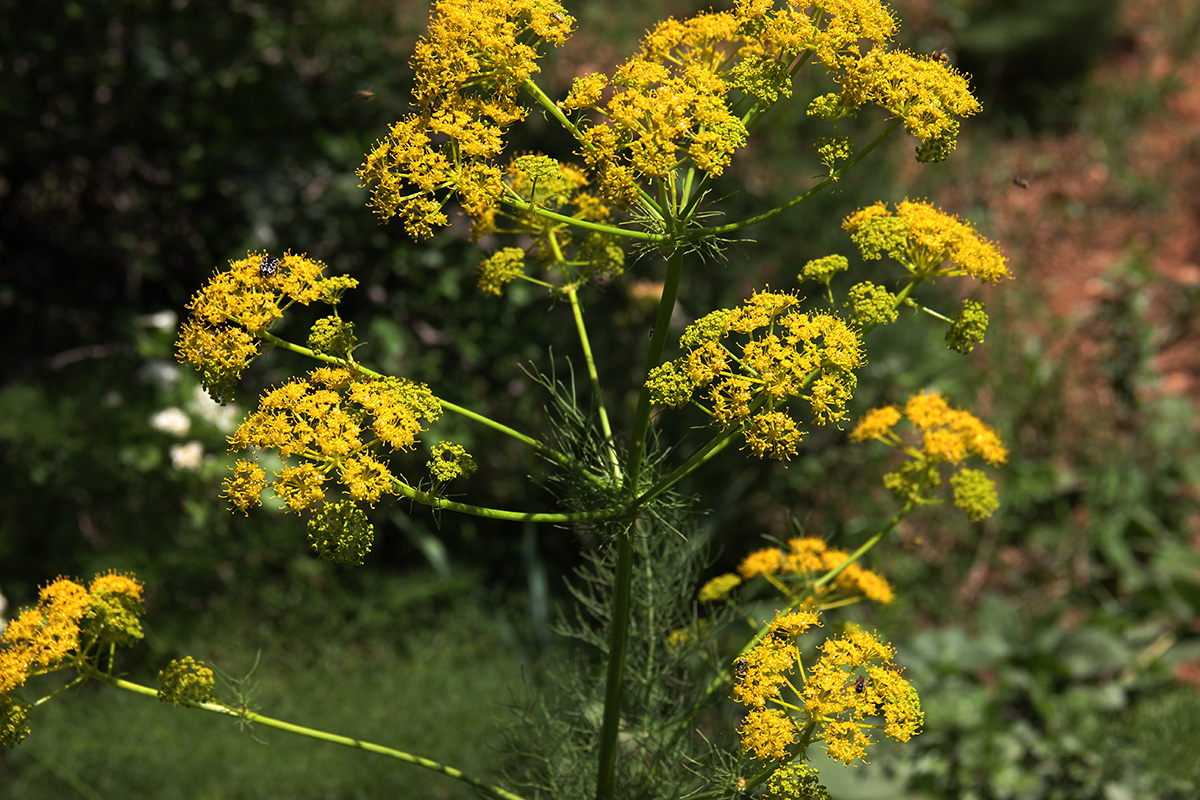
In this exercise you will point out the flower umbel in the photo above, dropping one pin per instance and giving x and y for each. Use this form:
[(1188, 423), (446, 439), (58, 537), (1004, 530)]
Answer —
[(795, 571), (926, 241), (220, 338), (751, 360), (948, 436), (840, 703), (335, 422), (469, 68), (71, 626)]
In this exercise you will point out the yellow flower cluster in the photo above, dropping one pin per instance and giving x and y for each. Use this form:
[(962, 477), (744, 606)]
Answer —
[(856, 678), (948, 436), (924, 91), (786, 354), (469, 68), (669, 103), (762, 672), (928, 242), (718, 588), (333, 422), (807, 558), (219, 337), (674, 101), (69, 626)]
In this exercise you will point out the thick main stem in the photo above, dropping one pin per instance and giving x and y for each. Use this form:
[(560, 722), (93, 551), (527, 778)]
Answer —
[(619, 636), (615, 680), (658, 343)]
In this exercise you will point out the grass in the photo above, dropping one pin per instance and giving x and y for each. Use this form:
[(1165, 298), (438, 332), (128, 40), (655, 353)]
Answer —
[(436, 690)]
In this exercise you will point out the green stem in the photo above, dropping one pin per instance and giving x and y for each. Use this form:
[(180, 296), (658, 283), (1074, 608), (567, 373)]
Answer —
[(714, 446), (867, 545), (658, 343), (594, 377), (615, 679), (324, 736), (533, 208), (545, 450), (833, 178), (442, 504)]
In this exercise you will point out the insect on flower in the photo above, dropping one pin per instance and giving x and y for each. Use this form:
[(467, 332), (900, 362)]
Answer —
[(268, 267), (743, 668), (859, 683)]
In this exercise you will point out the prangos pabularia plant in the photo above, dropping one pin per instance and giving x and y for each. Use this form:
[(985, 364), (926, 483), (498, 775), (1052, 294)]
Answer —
[(647, 141)]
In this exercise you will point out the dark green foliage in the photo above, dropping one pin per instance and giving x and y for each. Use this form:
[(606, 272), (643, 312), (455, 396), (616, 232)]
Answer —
[(1027, 58), (663, 753)]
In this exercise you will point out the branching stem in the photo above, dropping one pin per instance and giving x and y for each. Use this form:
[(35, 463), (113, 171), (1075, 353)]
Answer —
[(324, 736)]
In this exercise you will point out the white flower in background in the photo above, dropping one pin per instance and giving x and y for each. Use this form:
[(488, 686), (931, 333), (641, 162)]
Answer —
[(164, 321), (3, 607), (224, 417), (172, 421), (187, 457), (161, 374)]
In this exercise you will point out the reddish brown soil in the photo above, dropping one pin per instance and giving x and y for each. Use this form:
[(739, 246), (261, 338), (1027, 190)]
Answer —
[(1069, 208)]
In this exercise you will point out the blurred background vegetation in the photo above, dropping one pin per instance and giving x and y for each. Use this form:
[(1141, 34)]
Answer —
[(145, 143)]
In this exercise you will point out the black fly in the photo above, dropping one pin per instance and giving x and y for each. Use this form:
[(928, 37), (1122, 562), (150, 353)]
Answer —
[(743, 668), (268, 267)]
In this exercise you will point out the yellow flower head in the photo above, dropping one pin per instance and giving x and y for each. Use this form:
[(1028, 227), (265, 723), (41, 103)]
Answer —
[(718, 588), (751, 360), (926, 241), (857, 678), (219, 338), (947, 436), (762, 670), (761, 562), (875, 424), (767, 732), (807, 559), (333, 422), (115, 608), (928, 94), (469, 68), (43, 636), (761, 675), (667, 105)]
